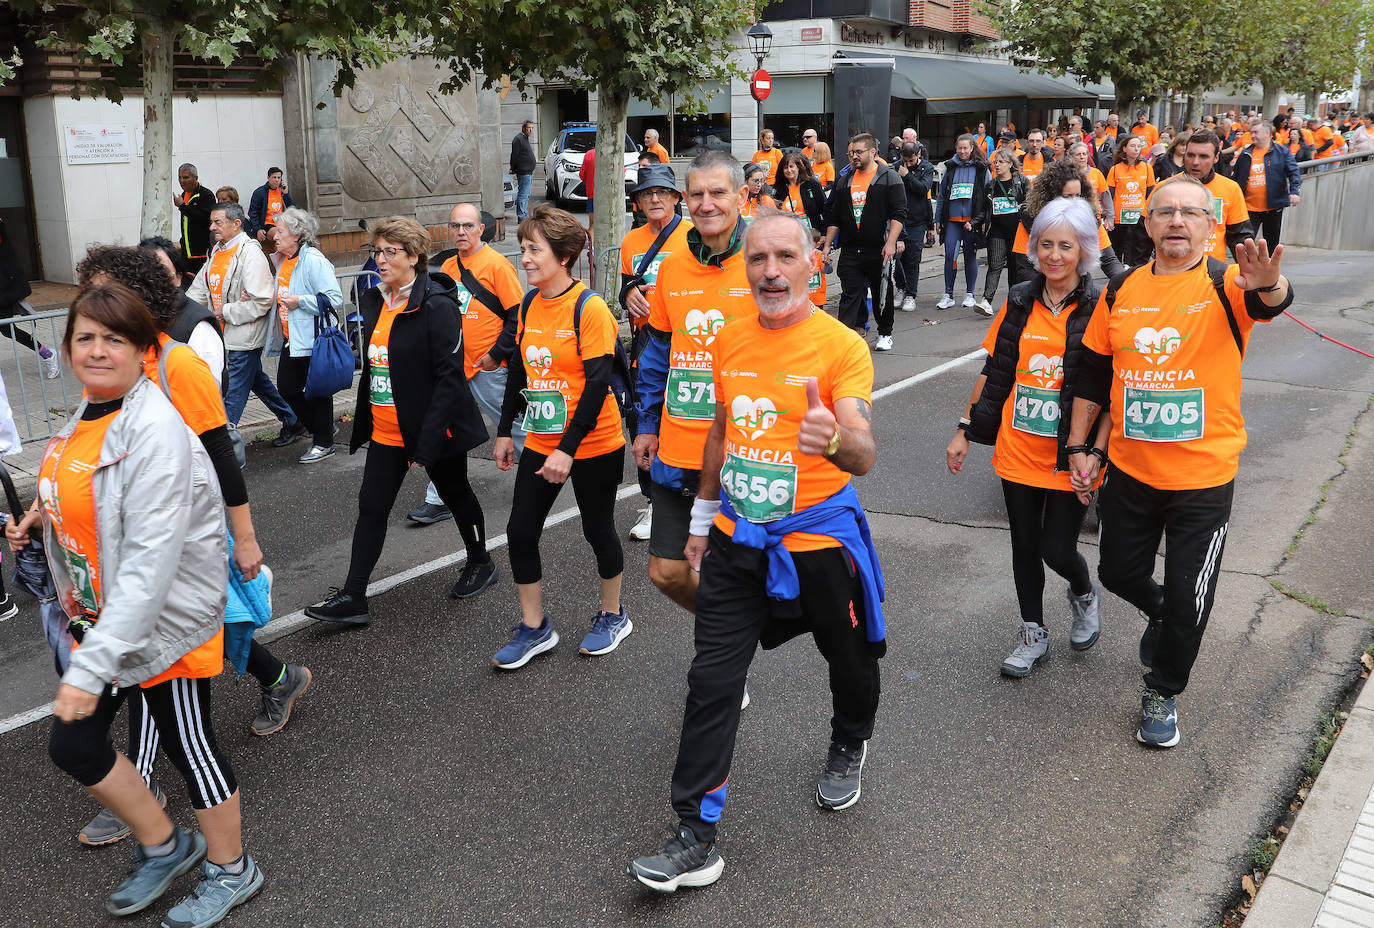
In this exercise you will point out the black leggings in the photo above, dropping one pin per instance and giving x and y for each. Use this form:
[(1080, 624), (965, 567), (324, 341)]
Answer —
[(595, 481), (1044, 530), (21, 335), (383, 474), (1266, 225), (314, 412), (181, 709)]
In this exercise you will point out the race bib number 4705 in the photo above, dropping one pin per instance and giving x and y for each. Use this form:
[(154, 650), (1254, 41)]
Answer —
[(1163, 415)]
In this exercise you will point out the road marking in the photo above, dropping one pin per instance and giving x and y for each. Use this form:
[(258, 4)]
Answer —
[(285, 625)]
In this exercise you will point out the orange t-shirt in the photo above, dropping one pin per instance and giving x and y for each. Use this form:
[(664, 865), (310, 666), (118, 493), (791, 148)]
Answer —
[(1111, 130), (555, 378), (636, 244), (858, 192), (1320, 136), (815, 287), (481, 326), (694, 302), (1148, 133), (194, 392), (754, 204), (386, 428), (825, 172), (659, 150), (1097, 179), (219, 270), (761, 376), (1130, 186), (274, 206), (1028, 439), (772, 157), (792, 203), (1256, 186), (283, 282), (1176, 417), (1032, 166)]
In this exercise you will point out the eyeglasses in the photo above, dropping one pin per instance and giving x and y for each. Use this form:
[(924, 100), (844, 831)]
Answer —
[(655, 193), (391, 252), (809, 135), (462, 226), (855, 152), (1187, 212)]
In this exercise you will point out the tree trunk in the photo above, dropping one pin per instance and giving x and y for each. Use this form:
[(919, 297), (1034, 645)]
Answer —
[(608, 218), (1192, 112), (157, 43), (1366, 100), (1126, 96), (1310, 102)]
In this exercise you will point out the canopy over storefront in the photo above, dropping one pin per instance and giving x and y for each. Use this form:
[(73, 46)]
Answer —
[(953, 86)]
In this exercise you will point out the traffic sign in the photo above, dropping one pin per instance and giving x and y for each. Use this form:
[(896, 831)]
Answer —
[(760, 85)]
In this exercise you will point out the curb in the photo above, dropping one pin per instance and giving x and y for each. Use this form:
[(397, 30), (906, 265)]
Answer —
[(1315, 856)]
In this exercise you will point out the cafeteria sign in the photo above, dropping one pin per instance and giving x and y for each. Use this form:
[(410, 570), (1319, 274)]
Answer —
[(97, 144)]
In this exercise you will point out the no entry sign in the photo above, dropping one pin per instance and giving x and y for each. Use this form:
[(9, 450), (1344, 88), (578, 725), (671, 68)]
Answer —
[(761, 85)]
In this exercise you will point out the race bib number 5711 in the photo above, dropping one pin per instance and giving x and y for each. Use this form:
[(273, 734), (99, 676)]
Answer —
[(1163, 415)]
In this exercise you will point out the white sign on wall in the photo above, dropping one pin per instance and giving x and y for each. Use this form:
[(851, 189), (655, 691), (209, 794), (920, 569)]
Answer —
[(97, 144)]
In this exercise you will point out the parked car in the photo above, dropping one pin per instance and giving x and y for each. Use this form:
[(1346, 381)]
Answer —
[(564, 161), (507, 192)]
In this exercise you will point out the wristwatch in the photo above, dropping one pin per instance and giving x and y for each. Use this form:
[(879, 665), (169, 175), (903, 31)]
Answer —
[(834, 444)]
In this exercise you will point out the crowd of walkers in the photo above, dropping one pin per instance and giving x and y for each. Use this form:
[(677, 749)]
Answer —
[(748, 409)]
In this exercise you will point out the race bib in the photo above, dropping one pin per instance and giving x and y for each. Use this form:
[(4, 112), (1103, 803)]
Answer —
[(1163, 415), (650, 272), (1216, 209), (84, 590), (691, 394), (961, 192), (1129, 217), (1036, 411), (759, 491), (1002, 206), (379, 386), (464, 297), (547, 413), (814, 283)]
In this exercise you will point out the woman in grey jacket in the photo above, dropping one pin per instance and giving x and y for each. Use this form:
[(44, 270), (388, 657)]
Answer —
[(134, 526)]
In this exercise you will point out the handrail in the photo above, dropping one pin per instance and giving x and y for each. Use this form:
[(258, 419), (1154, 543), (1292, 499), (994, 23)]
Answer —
[(1308, 167)]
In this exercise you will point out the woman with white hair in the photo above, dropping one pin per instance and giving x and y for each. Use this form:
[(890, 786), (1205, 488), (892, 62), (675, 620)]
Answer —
[(1020, 406), (306, 287)]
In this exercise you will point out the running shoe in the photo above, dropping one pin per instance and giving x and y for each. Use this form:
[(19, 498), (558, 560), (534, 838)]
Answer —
[(340, 607), (9, 608), (218, 892), (288, 434), (884, 343), (644, 527), (316, 453), (277, 700), (1086, 623), (608, 628), (1158, 720), (683, 862), (152, 875), (909, 304), (52, 364), (429, 513), (946, 301), (839, 785), (475, 578), (984, 306), (106, 828), (524, 644), (1032, 644), (970, 300)]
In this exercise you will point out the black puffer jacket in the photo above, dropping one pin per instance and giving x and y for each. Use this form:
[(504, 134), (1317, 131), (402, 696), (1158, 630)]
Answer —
[(434, 407), (1000, 367)]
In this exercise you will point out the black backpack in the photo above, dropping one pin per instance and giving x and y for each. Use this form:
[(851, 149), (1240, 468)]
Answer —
[(620, 363)]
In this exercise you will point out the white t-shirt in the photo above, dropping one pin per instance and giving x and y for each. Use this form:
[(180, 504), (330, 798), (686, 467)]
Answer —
[(205, 341)]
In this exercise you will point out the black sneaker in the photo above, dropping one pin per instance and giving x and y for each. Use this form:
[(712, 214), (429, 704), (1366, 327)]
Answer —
[(278, 700), (1149, 643), (8, 607), (839, 785), (429, 513), (475, 579), (340, 607), (288, 434), (683, 862)]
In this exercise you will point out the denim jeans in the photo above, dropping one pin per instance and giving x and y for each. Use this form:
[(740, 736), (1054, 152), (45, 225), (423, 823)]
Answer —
[(246, 374), (522, 196), (489, 390)]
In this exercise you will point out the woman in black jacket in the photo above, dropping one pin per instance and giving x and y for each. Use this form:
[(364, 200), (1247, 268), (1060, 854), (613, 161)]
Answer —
[(416, 411), (1020, 406), (799, 192), (1008, 192)]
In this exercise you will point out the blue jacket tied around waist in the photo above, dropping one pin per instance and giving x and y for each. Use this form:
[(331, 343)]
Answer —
[(842, 518)]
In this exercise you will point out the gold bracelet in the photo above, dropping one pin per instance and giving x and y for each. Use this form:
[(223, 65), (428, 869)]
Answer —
[(834, 443)]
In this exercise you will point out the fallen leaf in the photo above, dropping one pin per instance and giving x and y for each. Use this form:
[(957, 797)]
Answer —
[(930, 322), (1368, 660), (1247, 883), (1281, 830)]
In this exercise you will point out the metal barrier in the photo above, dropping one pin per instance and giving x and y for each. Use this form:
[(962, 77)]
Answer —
[(1333, 208), (40, 406)]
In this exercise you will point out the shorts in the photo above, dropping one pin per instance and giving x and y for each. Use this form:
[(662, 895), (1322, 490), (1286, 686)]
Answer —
[(672, 520)]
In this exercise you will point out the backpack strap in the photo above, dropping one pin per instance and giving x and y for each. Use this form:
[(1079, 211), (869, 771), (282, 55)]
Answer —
[(1217, 271), (664, 234), (484, 296), (162, 367), (524, 311), (1115, 283), (582, 298)]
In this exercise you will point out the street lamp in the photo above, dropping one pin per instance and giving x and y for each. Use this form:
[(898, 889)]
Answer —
[(760, 41)]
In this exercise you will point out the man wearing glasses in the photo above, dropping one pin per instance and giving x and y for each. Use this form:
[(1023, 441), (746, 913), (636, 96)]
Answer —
[(809, 144), (1164, 345), (865, 217), (488, 296)]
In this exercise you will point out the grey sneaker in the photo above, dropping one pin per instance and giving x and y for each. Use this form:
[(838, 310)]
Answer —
[(1158, 720), (683, 862), (106, 828), (839, 785), (316, 453), (1032, 644), (152, 875), (277, 700), (1086, 625), (218, 892)]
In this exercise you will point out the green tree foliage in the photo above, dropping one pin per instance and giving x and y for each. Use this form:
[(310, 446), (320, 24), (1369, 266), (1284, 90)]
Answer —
[(1308, 48)]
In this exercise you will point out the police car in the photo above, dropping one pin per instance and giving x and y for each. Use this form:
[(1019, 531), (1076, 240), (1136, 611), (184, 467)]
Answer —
[(564, 161)]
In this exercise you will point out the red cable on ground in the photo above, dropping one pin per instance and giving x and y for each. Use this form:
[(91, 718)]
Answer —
[(1326, 337)]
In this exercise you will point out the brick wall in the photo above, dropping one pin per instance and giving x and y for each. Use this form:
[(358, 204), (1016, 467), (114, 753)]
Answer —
[(955, 16)]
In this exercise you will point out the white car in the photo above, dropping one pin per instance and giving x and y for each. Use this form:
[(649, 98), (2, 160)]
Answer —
[(564, 161)]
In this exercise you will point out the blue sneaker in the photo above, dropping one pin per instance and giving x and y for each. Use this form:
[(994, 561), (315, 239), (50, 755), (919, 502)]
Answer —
[(152, 875), (218, 892), (525, 644), (1158, 720), (607, 630)]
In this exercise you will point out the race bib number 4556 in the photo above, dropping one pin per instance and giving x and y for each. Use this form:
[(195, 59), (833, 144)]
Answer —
[(1163, 415), (760, 491)]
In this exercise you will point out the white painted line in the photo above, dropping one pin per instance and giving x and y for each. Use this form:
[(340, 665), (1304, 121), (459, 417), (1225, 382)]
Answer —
[(286, 624)]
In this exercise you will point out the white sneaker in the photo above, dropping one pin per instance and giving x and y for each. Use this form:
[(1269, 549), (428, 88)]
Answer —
[(909, 304), (884, 343), (52, 364), (1032, 644), (898, 296), (985, 308), (644, 527), (970, 301), (945, 302)]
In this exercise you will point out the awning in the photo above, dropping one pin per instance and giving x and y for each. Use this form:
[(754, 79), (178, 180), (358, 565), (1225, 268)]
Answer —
[(952, 86)]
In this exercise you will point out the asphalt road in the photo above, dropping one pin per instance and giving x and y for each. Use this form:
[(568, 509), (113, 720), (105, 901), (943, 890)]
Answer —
[(415, 786)]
